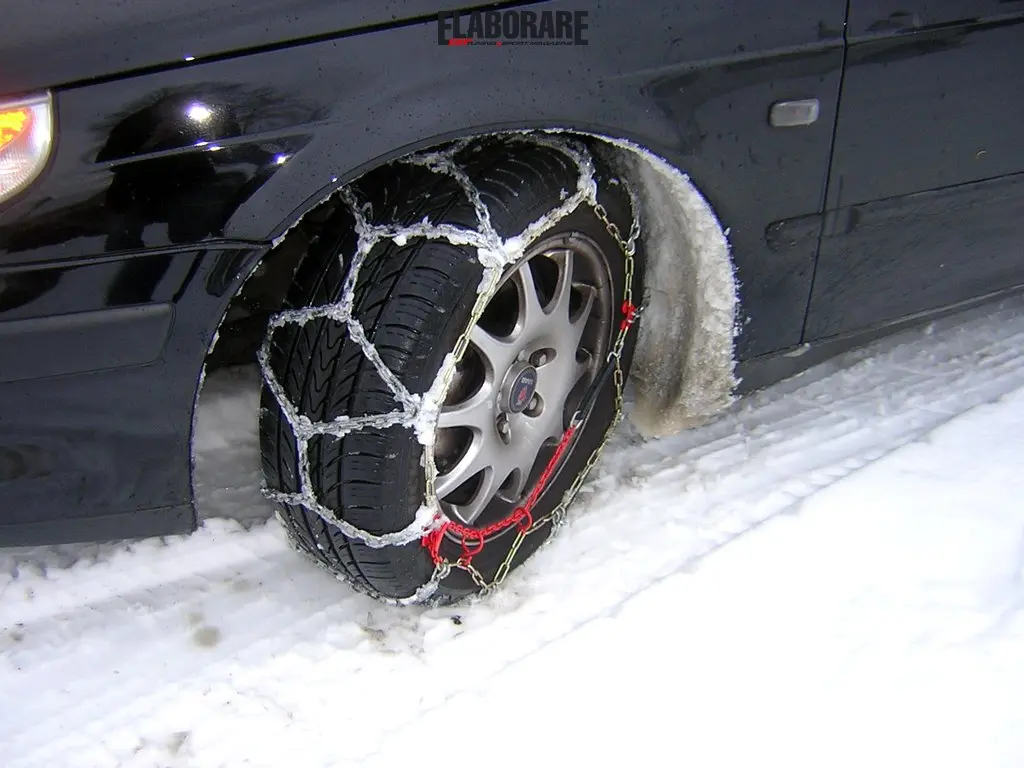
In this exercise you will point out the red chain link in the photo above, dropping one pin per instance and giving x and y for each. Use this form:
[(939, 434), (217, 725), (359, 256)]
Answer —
[(629, 310), (473, 539)]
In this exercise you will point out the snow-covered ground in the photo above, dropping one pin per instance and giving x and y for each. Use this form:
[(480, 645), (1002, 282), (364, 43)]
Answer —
[(831, 574)]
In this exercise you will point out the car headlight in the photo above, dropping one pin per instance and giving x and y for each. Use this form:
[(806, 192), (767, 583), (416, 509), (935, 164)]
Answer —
[(26, 136)]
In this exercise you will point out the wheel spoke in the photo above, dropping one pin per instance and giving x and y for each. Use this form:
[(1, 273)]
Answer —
[(477, 412), (559, 307), (583, 367), (479, 456), (579, 319), (531, 313), (535, 432), (525, 461), (518, 486), (497, 353), (485, 491)]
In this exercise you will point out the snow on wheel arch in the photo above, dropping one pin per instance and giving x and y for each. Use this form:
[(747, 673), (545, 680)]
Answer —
[(684, 367)]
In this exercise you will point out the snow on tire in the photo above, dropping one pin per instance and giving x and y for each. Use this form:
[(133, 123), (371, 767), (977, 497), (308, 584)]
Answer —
[(454, 312)]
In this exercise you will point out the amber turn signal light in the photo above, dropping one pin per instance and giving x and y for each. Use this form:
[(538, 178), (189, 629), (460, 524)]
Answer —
[(26, 137)]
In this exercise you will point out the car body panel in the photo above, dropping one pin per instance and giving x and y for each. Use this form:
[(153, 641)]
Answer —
[(910, 254), (928, 165), (103, 429), (51, 43), (932, 107)]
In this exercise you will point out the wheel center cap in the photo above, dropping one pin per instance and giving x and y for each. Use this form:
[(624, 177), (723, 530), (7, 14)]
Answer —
[(518, 388)]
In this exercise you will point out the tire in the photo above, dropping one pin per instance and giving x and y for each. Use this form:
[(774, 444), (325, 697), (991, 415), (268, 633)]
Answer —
[(415, 299)]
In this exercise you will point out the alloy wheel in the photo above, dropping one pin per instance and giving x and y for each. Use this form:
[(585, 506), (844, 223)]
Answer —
[(533, 353)]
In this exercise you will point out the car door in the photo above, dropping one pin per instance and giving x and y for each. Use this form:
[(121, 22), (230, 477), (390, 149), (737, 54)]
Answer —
[(926, 188)]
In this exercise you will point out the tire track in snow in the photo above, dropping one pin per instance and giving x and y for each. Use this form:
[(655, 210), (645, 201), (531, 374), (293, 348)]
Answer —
[(104, 670), (755, 469)]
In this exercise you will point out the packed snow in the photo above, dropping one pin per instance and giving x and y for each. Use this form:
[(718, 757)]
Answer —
[(690, 297), (830, 574)]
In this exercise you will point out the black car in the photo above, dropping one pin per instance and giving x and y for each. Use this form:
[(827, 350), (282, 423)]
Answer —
[(447, 233)]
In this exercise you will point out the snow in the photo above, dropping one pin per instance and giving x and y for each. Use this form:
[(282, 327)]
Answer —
[(683, 368), (878, 624), (832, 573)]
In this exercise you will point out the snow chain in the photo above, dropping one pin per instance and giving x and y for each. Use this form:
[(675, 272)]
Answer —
[(419, 412)]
